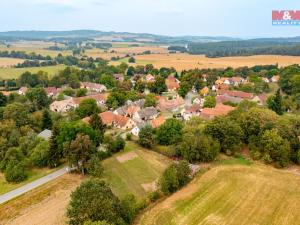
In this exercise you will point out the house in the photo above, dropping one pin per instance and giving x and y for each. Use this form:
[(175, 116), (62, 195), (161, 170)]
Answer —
[(45, 134), (260, 99), (149, 78), (52, 91), (117, 121), (157, 122), (136, 130), (100, 99), (173, 105), (22, 90), (127, 110), (172, 83), (223, 80), (146, 114), (198, 101), (119, 77), (93, 87), (204, 91), (63, 106), (275, 79), (266, 80), (226, 98), (191, 111), (218, 110), (237, 94), (236, 81), (71, 103)]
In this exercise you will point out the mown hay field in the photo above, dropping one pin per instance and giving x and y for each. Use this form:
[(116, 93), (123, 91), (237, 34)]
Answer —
[(10, 73), (232, 195), (134, 171)]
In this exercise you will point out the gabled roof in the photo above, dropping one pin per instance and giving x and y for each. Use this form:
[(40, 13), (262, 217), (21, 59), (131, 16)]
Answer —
[(91, 85), (147, 113), (239, 94), (157, 122), (172, 83), (165, 103), (97, 97), (218, 110), (46, 134), (193, 109), (109, 118)]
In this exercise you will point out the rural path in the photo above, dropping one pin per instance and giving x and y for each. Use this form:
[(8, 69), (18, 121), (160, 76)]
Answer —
[(28, 187)]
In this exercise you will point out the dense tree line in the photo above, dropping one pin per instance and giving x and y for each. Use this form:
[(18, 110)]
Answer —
[(23, 55), (244, 48)]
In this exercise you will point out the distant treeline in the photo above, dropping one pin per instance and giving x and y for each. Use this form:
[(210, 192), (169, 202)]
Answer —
[(23, 55), (244, 48)]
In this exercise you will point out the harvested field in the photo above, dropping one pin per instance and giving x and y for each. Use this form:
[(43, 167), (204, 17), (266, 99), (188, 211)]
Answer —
[(45, 205), (232, 195), (141, 49), (8, 62), (182, 61)]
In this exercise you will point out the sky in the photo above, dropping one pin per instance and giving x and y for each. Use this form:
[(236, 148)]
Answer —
[(235, 18)]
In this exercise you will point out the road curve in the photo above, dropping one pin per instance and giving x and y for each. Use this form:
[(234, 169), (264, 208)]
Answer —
[(28, 187)]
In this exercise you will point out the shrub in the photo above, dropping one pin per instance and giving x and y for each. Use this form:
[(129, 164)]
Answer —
[(94, 167), (15, 172)]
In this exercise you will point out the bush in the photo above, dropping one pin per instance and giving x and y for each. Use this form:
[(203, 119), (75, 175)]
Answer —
[(129, 208), (147, 137), (154, 196), (175, 177), (15, 172), (170, 132), (94, 167), (128, 136), (39, 156)]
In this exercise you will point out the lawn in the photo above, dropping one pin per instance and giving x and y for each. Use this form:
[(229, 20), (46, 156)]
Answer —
[(9, 73), (233, 193), (137, 172), (33, 174)]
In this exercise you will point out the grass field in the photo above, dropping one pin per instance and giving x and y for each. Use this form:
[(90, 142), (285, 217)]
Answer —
[(233, 193), (7, 62), (6, 73), (33, 174), (45, 205), (182, 61), (136, 173)]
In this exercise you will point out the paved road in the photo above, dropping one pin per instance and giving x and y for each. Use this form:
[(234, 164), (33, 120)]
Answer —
[(28, 187)]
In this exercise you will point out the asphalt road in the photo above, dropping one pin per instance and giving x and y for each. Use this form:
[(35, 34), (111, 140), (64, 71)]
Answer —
[(28, 187)]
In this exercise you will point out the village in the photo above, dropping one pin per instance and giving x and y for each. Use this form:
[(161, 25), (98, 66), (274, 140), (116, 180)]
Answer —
[(134, 115)]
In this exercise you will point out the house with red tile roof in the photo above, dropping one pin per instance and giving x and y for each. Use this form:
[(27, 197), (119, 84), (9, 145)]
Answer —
[(157, 122), (218, 110), (237, 94), (22, 90), (191, 111), (172, 83), (93, 87), (173, 105), (52, 91)]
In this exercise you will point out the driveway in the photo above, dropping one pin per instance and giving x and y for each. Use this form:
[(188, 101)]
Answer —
[(28, 187)]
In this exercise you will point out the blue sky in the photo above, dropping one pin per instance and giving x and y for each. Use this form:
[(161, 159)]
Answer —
[(238, 18)]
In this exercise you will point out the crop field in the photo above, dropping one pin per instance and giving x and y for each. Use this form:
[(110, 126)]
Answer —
[(9, 73), (134, 171), (45, 205), (39, 47), (8, 62), (141, 49), (181, 61), (232, 195)]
